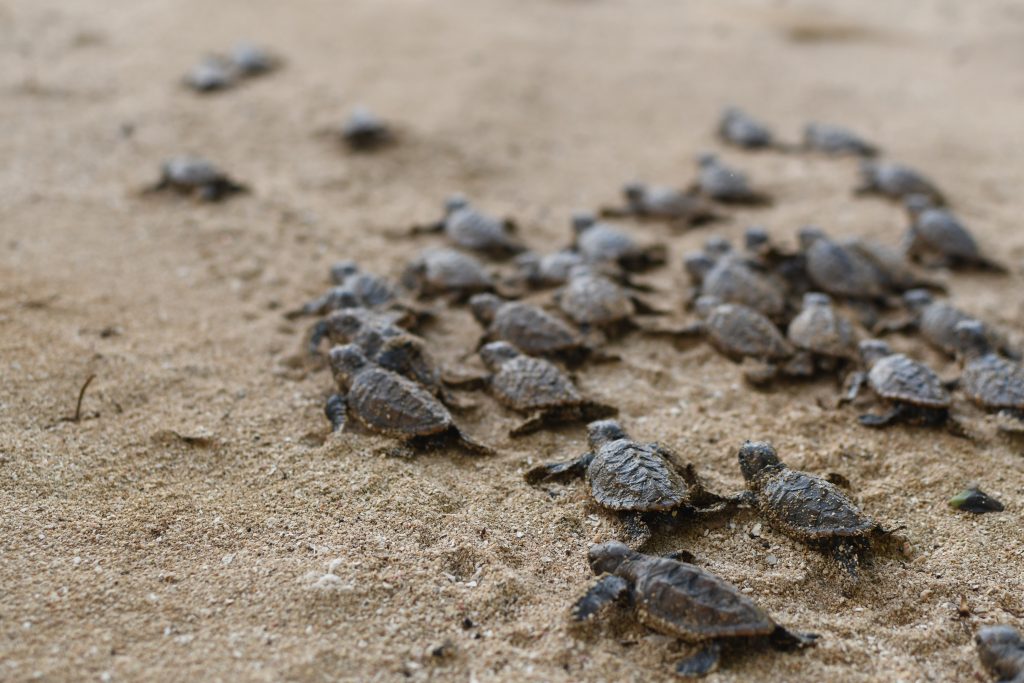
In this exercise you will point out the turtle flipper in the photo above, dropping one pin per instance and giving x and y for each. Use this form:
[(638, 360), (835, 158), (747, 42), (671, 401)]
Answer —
[(564, 469), (784, 639), (702, 663), (593, 410), (877, 421), (848, 558), (530, 425), (336, 410), (317, 334), (470, 444), (608, 589), (856, 382), (638, 531)]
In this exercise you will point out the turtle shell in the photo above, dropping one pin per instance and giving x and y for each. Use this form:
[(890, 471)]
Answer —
[(898, 378), (890, 263), (739, 332), (807, 507), (938, 325), (683, 600), (524, 383), (595, 300), (626, 475), (447, 270), (658, 201), (601, 243), (532, 329), (740, 129), (724, 183), (842, 272), (994, 382), (473, 229), (394, 405), (898, 181), (836, 140), (941, 232), (189, 172), (733, 281), (821, 330)]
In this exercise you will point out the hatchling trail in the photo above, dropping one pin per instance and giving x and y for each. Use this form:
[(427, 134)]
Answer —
[(199, 522)]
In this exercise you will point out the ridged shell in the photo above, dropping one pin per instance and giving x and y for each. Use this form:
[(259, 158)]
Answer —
[(821, 330), (473, 229), (994, 382), (941, 232), (842, 272), (808, 508), (525, 383), (532, 330), (594, 300), (739, 331), (626, 475), (899, 378), (394, 405), (732, 281), (602, 243)]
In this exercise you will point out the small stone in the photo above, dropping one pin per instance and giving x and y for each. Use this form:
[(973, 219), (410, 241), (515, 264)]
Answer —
[(973, 499)]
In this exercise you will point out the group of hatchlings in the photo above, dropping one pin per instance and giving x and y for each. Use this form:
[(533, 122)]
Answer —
[(790, 313)]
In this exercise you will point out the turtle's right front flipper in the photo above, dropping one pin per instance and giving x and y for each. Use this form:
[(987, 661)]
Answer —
[(336, 410), (607, 590), (558, 471)]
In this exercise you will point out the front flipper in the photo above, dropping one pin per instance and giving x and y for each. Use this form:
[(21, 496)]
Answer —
[(336, 410), (856, 382), (897, 414), (848, 557), (530, 425), (701, 664), (783, 639), (557, 471), (470, 444), (638, 531), (608, 589)]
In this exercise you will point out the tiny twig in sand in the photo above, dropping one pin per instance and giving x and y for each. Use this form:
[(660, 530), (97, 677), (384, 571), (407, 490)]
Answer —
[(78, 406)]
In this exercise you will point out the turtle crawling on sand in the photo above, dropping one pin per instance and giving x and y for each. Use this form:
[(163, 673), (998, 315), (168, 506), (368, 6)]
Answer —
[(529, 327), (388, 403), (896, 181), (835, 140), (195, 176), (988, 379), (936, 320), (659, 202), (738, 128), (937, 237), (725, 184), (1001, 651), (364, 131), (603, 243), (806, 507), (439, 271), (470, 228), (821, 330), (681, 600)]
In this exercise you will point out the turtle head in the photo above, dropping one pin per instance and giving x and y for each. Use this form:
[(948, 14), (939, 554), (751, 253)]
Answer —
[(604, 431), (497, 353), (581, 220), (917, 299), (345, 324), (705, 304), (754, 456), (342, 297), (484, 307), (812, 299), (755, 238), (717, 245), (698, 265), (342, 270), (994, 642), (605, 558), (347, 361), (809, 235), (917, 203), (706, 159), (873, 350), (634, 191), (971, 341), (454, 202)]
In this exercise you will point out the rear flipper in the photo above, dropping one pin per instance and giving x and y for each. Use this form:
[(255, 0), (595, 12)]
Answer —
[(469, 444), (894, 416), (702, 663), (608, 589), (848, 557), (783, 639), (336, 410), (558, 471)]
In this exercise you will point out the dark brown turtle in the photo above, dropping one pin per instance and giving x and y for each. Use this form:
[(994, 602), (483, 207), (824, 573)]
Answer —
[(530, 328), (540, 271), (839, 270), (602, 243), (725, 184), (896, 181), (914, 392), (211, 74), (806, 507), (391, 404), (835, 140), (645, 483), (988, 379), (535, 386), (896, 272), (364, 131), (352, 288), (658, 202), (821, 330), (733, 279), (736, 127), (937, 237), (936, 320), (1001, 651), (595, 302), (469, 228), (195, 176), (438, 271), (252, 60), (683, 601), (790, 267)]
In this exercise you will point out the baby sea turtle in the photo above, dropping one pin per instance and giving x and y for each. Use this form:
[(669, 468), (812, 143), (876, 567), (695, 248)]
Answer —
[(838, 270), (937, 237), (788, 266), (535, 386), (732, 279), (829, 139), (252, 60), (915, 392), (601, 243), (352, 288), (937, 320), (530, 328), (1001, 651), (211, 74), (388, 403), (539, 271), (896, 181), (725, 184), (806, 507), (821, 330), (736, 127), (658, 202), (742, 334), (439, 271), (643, 482), (364, 131), (681, 600), (597, 304), (988, 379), (195, 176), (469, 228), (895, 271)]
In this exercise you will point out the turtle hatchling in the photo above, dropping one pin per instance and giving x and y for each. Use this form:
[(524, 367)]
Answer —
[(530, 328), (535, 386), (806, 507), (937, 320), (252, 60), (195, 176), (658, 202), (896, 181), (684, 601), (839, 270), (895, 271), (822, 331), (596, 303), (643, 482), (736, 127), (835, 140), (211, 74), (988, 379), (915, 393), (1001, 651), (439, 271), (469, 228), (352, 288), (732, 279), (363, 130), (391, 404), (937, 237), (601, 243), (539, 271), (725, 184)]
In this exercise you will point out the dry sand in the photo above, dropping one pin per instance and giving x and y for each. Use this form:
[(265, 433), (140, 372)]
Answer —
[(177, 531)]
